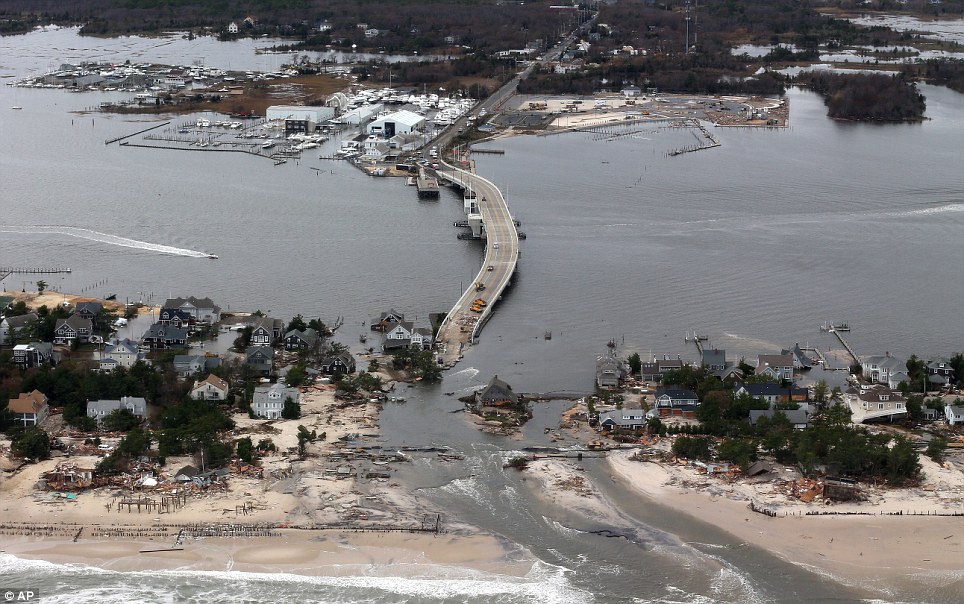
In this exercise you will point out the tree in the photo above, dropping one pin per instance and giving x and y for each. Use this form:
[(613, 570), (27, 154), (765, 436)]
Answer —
[(296, 324), (635, 363), (917, 373), (41, 286), (296, 375), (120, 420), (32, 443), (936, 448), (305, 437), (244, 338), (820, 393), (692, 447), (245, 449), (291, 409), (740, 451), (374, 365)]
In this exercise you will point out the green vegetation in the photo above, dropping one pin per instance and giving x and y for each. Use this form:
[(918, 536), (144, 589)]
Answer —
[(866, 96), (32, 443), (291, 409)]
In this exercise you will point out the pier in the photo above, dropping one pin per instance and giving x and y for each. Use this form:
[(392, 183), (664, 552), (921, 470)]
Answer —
[(126, 136), (6, 271), (847, 346), (426, 185), (488, 215)]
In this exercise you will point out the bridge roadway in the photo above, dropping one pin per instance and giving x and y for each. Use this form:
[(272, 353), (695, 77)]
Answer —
[(462, 324)]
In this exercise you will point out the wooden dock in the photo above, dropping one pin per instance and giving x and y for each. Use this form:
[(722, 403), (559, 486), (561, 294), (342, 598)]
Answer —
[(6, 271), (847, 346)]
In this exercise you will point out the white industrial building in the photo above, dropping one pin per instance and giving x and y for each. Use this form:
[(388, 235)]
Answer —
[(316, 115), (359, 116), (400, 122)]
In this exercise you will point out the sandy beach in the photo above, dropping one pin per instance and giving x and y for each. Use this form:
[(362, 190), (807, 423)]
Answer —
[(884, 551)]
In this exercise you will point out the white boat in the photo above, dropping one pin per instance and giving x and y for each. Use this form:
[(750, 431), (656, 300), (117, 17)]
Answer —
[(212, 256), (16, 107), (267, 145)]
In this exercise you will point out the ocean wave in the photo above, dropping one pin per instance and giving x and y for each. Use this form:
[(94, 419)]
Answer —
[(544, 583), (99, 237)]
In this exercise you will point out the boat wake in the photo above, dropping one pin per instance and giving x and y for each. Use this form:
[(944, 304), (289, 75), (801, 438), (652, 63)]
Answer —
[(103, 238)]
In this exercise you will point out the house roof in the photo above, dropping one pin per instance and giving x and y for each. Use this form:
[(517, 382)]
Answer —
[(166, 332), (796, 416), (25, 402), (122, 346), (89, 307), (774, 360), (75, 322), (265, 351), (344, 357), (676, 393), (619, 417), (20, 321), (497, 391), (204, 303), (886, 361), (756, 390), (714, 357), (264, 394), (213, 380), (874, 393)]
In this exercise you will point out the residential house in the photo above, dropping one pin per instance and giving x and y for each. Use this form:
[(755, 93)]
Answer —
[(875, 402), (631, 92), (265, 331), (496, 394), (338, 363), (884, 369), (325, 26), (89, 310), (261, 358), (164, 337), (177, 318), (121, 353), (940, 373), (29, 409), (714, 359), (730, 375), (954, 414), (371, 32), (187, 365), (678, 402), (778, 366), (801, 360), (232, 28), (404, 334), (609, 370), (268, 401), (387, 318), (99, 409), (307, 339), (798, 417), (622, 419), (73, 328), (202, 309), (772, 393), (211, 388), (13, 327), (33, 354), (654, 371)]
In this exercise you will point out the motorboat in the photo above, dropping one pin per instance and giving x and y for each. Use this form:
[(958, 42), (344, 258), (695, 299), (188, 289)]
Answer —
[(213, 256)]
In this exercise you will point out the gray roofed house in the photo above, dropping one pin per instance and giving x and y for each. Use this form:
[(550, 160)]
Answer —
[(268, 401), (801, 360), (609, 370), (496, 393), (779, 366), (261, 358), (885, 369), (624, 419), (339, 363), (772, 393), (265, 330), (798, 417), (392, 316), (875, 402), (954, 414), (297, 339), (73, 328), (88, 310), (188, 364), (33, 354), (8, 325), (676, 401), (99, 409), (161, 337), (121, 353), (202, 309), (940, 372), (714, 359)]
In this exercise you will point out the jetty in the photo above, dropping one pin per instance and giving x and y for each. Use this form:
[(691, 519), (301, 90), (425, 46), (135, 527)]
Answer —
[(696, 339), (427, 186), (488, 216), (6, 271), (832, 329)]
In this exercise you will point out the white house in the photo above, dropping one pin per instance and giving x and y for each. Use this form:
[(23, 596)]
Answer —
[(29, 409), (875, 402), (954, 414), (268, 401), (232, 28), (10, 326), (121, 353), (884, 369), (211, 388), (779, 366)]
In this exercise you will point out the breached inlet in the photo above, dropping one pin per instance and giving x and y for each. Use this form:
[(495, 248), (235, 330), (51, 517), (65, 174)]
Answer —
[(105, 238)]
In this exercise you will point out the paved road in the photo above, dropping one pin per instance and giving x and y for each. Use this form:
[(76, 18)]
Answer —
[(501, 254)]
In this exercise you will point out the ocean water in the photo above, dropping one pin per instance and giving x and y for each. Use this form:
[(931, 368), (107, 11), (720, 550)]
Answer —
[(755, 243)]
